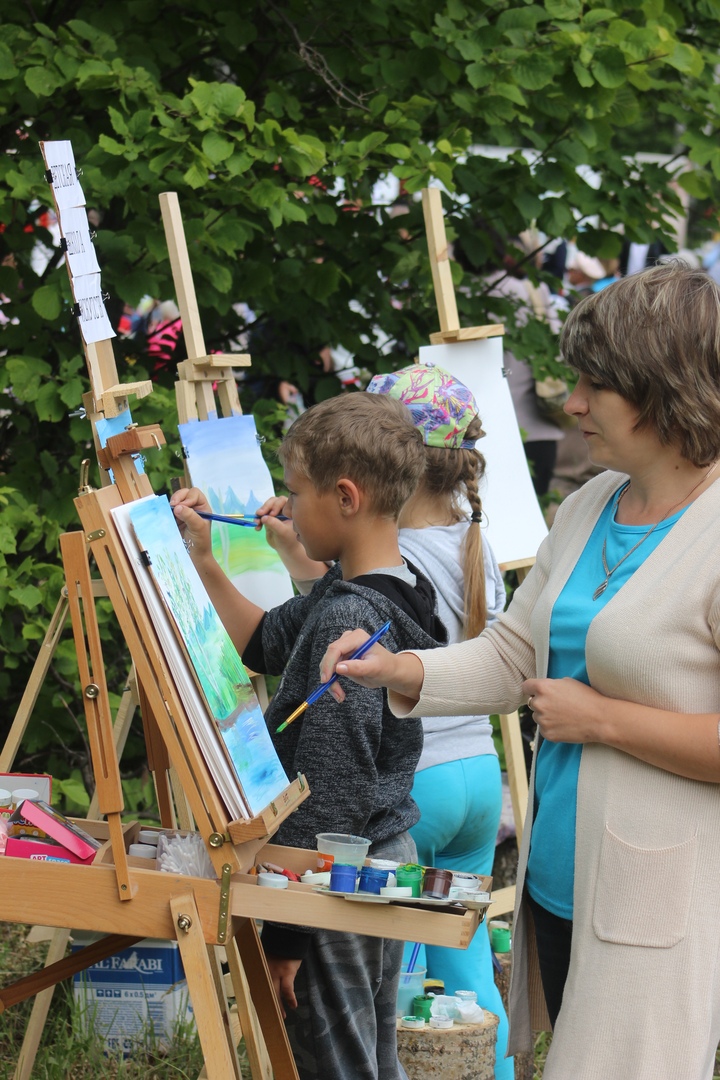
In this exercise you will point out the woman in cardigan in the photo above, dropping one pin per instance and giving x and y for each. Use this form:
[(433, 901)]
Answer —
[(614, 641)]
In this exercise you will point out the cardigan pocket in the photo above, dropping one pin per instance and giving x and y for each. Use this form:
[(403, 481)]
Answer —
[(642, 895)]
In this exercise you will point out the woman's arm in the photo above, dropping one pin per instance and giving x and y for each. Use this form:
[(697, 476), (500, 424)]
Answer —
[(569, 711), (401, 673)]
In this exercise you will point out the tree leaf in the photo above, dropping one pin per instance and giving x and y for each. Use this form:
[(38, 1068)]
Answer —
[(46, 301), (41, 81)]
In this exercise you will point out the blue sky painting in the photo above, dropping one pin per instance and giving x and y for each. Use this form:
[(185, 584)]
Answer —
[(225, 461), (225, 684)]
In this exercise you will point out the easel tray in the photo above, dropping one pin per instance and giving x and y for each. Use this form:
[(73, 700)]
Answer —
[(449, 905)]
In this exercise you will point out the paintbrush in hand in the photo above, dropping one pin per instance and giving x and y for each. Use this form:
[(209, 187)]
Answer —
[(357, 655), (237, 519)]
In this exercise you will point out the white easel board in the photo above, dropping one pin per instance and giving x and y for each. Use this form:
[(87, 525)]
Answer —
[(515, 524)]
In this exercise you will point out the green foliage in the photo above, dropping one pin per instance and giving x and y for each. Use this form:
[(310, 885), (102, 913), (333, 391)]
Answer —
[(242, 108)]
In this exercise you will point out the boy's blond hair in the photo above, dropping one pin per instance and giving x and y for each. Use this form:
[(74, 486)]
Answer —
[(368, 438)]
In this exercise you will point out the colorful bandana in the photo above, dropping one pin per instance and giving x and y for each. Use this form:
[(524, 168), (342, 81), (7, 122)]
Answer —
[(442, 407)]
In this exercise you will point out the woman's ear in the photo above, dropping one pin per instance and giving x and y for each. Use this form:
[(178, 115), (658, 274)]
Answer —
[(348, 495)]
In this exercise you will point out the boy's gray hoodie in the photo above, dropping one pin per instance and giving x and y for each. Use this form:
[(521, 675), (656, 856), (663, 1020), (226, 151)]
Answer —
[(358, 758)]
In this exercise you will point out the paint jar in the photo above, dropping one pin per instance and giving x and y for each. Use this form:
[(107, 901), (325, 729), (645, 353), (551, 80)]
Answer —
[(372, 880), (142, 851), (343, 878), (384, 864), (269, 880), (436, 884), (412, 1023), (466, 995), (434, 986), (500, 939), (410, 874), (312, 878), (422, 1004), (468, 882), (343, 848), (5, 803), (409, 987), (20, 794), (148, 836), (443, 1023)]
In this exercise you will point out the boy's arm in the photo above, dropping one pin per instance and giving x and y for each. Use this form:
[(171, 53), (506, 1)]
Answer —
[(239, 616), (282, 974), (281, 536)]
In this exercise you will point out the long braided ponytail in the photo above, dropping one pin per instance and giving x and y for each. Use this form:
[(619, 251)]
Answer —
[(458, 473)]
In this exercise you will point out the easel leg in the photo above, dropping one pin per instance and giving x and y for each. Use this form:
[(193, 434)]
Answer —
[(34, 685), (61, 936), (220, 1061), (257, 1052), (40, 1009), (268, 1010)]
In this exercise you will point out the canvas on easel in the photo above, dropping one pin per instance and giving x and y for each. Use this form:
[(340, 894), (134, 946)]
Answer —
[(217, 691), (223, 459)]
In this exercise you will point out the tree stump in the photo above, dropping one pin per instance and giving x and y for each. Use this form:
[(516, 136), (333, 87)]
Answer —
[(462, 1052)]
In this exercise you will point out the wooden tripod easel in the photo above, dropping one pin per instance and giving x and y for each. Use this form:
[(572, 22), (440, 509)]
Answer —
[(118, 895), (451, 331)]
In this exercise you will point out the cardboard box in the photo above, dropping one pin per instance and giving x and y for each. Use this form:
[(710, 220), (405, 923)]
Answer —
[(137, 997), (34, 818), (39, 849)]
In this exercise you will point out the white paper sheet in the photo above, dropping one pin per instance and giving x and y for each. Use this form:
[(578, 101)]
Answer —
[(80, 253), (515, 525), (93, 318), (60, 160)]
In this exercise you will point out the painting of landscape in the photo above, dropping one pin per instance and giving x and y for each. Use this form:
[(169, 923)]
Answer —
[(225, 461), (224, 683)]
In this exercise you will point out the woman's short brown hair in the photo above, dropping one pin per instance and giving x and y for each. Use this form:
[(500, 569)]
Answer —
[(368, 438), (654, 338)]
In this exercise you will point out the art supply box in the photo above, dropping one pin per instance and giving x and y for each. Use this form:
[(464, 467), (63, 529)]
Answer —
[(137, 997)]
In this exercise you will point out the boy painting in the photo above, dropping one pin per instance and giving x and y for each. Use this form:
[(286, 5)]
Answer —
[(350, 464)]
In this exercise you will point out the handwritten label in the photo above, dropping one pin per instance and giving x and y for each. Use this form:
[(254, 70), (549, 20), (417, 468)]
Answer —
[(80, 252), (60, 161), (93, 318)]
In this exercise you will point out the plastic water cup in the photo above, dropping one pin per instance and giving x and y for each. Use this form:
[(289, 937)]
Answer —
[(343, 848), (409, 987)]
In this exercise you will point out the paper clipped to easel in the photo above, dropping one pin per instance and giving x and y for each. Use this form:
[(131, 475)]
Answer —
[(515, 524), (62, 175), (224, 460)]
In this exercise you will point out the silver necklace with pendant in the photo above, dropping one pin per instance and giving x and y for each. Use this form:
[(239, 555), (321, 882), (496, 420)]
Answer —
[(610, 570)]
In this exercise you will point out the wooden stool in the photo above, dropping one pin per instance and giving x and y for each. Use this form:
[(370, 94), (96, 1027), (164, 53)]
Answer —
[(452, 1054)]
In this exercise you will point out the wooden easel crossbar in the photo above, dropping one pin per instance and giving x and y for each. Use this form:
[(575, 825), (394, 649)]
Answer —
[(450, 332)]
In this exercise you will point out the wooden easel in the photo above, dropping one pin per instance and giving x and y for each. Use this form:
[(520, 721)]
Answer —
[(121, 897), (451, 331)]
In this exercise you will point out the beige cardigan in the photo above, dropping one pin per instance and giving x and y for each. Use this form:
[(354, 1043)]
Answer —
[(642, 1000)]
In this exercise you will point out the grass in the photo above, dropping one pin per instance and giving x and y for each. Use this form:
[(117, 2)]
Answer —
[(66, 1053)]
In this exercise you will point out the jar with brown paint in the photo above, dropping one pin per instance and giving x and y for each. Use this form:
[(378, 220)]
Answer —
[(436, 884)]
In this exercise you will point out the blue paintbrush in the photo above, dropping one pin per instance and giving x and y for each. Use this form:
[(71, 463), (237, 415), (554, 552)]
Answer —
[(357, 655), (236, 519)]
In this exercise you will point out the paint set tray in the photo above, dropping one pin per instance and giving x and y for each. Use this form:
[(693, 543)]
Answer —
[(409, 901)]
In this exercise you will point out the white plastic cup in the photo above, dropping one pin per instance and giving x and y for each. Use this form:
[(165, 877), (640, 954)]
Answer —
[(343, 848)]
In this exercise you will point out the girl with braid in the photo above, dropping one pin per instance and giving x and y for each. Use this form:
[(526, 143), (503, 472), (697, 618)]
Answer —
[(457, 782)]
